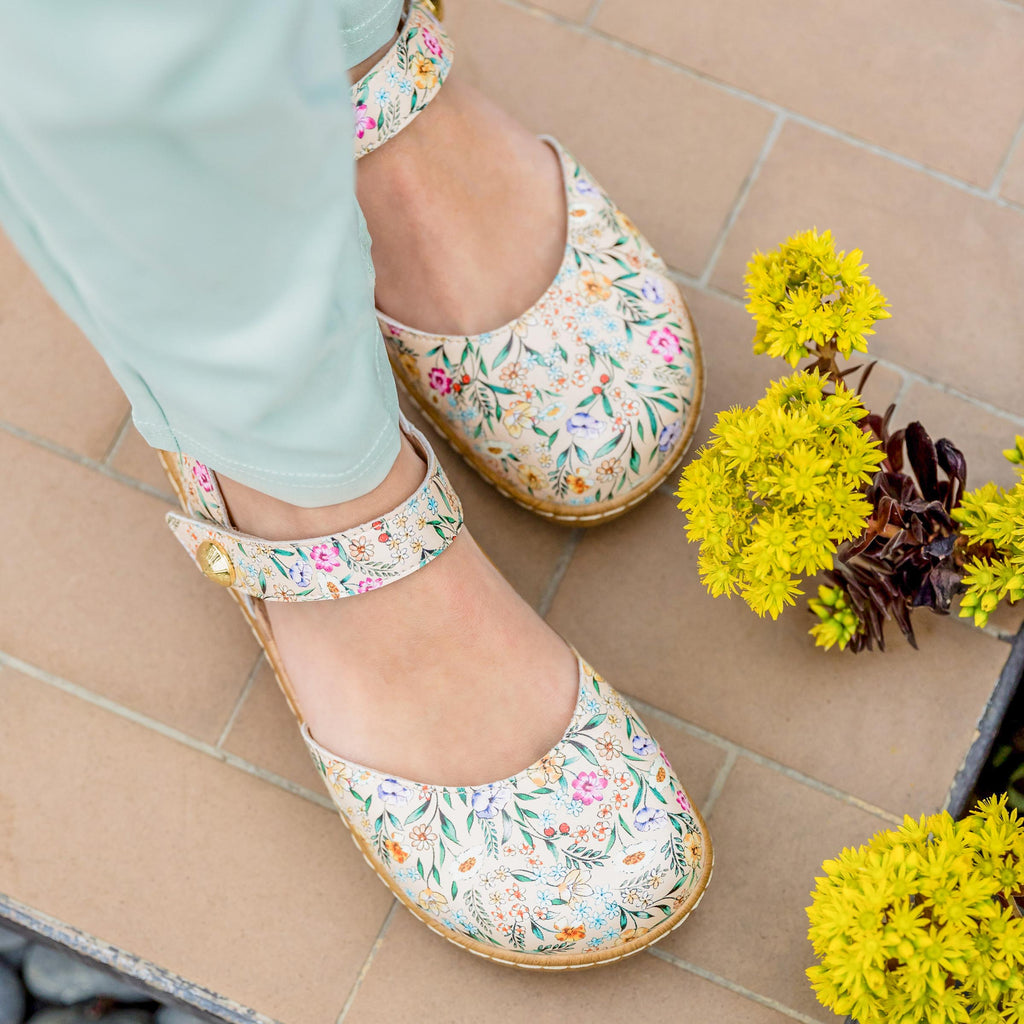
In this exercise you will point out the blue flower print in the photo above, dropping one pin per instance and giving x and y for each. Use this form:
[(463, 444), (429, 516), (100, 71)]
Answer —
[(300, 573), (649, 817), (391, 791), (584, 425), (670, 433), (652, 291), (644, 745), (488, 800)]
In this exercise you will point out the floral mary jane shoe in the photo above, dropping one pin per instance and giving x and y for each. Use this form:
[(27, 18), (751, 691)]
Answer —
[(580, 407), (584, 857)]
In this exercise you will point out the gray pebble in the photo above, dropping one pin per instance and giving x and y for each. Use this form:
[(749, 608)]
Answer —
[(172, 1015), (12, 946), (78, 1015), (56, 977), (12, 997)]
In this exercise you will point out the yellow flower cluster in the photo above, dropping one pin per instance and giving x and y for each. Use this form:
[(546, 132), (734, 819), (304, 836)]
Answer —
[(920, 925), (993, 515), (806, 293), (777, 488), (839, 622)]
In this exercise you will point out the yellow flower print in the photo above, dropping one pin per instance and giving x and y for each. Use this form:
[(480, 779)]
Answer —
[(574, 886), (533, 480), (694, 848), (577, 484), (570, 933), (424, 71), (409, 364), (595, 287), (517, 416), (547, 770), (629, 934), (432, 900)]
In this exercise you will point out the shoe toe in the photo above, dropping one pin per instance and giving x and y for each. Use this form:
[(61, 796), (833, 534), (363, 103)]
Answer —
[(590, 853)]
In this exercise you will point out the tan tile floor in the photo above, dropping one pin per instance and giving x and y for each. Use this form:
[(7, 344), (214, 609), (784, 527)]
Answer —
[(152, 789)]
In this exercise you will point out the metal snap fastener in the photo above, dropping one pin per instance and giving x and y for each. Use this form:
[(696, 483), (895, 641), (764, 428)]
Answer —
[(215, 564)]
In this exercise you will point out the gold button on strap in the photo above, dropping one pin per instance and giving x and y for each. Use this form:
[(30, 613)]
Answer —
[(215, 564)]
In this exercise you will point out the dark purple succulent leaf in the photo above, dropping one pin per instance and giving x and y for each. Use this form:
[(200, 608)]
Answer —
[(941, 547), (946, 583), (894, 450), (923, 459), (953, 463)]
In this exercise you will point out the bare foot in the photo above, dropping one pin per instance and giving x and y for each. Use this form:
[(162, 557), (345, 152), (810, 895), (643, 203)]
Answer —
[(466, 210), (446, 676)]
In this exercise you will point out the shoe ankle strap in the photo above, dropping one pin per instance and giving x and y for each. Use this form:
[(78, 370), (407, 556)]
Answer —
[(397, 88), (343, 564)]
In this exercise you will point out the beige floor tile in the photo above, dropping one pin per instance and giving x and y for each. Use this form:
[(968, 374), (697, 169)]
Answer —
[(951, 264), (915, 77), (265, 733), (979, 434), (889, 728), (521, 544), (136, 459), (673, 151), (418, 977), (181, 859), (771, 835), (106, 598), (1013, 181), (574, 10), (53, 383)]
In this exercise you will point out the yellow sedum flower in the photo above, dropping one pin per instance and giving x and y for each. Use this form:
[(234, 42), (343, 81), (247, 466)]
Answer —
[(806, 294), (995, 517), (921, 923), (777, 488)]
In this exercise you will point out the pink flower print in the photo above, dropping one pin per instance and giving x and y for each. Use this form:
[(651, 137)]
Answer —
[(363, 121), (431, 42), (684, 804), (588, 787), (325, 558), (439, 380), (664, 343), (202, 475), (365, 585)]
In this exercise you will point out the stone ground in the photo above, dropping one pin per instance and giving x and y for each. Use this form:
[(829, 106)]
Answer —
[(178, 817)]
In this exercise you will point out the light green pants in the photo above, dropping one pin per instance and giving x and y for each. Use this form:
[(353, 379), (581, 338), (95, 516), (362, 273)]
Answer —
[(179, 173)]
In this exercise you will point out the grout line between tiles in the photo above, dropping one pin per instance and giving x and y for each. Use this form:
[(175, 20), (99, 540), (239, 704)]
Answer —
[(699, 732), (708, 803), (242, 696), (997, 181), (732, 986), (777, 108), (558, 572), (119, 435), (83, 460), (168, 731), (368, 962), (741, 197)]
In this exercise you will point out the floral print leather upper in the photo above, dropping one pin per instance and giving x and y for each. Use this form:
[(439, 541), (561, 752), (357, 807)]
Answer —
[(590, 847), (591, 391), (397, 88), (343, 564)]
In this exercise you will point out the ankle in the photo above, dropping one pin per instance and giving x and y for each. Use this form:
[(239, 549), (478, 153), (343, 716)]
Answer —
[(261, 515)]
